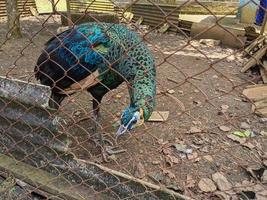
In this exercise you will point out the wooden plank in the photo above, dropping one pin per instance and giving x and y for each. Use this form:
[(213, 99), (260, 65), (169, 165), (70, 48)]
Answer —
[(263, 73), (57, 186), (23, 7), (256, 93), (255, 59), (255, 43), (21, 91)]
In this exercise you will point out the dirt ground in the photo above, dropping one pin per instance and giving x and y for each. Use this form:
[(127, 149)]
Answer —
[(205, 79)]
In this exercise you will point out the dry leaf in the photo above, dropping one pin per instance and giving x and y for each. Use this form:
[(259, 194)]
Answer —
[(140, 171), (190, 182), (208, 158), (237, 139), (222, 183), (206, 185), (166, 151), (193, 156), (194, 129), (169, 174), (225, 128)]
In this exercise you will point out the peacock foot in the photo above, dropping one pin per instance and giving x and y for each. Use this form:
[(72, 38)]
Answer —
[(107, 147)]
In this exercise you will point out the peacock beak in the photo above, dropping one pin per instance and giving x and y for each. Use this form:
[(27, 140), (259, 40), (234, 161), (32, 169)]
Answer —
[(122, 129)]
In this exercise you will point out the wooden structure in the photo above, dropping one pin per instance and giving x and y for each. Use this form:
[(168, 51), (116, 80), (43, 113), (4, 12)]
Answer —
[(23, 7), (77, 6)]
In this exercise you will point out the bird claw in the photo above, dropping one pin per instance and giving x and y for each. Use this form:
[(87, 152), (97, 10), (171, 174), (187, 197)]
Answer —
[(101, 142)]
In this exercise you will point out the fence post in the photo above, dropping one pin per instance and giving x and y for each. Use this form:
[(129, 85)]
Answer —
[(13, 18), (53, 6)]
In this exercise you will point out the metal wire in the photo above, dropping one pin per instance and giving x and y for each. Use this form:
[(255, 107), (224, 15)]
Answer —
[(199, 84)]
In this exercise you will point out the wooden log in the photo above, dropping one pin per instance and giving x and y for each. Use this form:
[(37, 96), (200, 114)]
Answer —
[(57, 186), (255, 59), (256, 93), (13, 21)]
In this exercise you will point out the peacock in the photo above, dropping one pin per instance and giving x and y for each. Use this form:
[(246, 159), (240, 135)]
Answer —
[(98, 57)]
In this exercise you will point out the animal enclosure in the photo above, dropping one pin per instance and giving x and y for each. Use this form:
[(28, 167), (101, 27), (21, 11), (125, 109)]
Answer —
[(206, 137)]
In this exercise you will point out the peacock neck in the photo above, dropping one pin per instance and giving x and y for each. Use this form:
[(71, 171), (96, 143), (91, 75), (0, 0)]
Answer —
[(143, 96)]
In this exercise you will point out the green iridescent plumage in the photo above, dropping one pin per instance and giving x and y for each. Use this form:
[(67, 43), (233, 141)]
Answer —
[(116, 52)]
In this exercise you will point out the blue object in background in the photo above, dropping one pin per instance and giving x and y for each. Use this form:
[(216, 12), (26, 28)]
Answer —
[(261, 12)]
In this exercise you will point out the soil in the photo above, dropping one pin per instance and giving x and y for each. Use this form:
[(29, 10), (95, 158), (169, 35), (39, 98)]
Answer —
[(203, 77)]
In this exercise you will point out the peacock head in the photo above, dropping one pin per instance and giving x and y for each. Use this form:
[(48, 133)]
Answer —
[(131, 117)]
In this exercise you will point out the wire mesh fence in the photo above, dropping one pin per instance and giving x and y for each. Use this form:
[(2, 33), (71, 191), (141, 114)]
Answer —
[(141, 107)]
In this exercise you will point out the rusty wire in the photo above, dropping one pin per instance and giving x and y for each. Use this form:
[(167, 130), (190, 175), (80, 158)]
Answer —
[(149, 152)]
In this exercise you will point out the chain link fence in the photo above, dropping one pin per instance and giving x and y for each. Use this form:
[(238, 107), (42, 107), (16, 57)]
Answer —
[(194, 129)]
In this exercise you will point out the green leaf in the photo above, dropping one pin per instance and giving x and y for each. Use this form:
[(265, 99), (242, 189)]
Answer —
[(246, 133)]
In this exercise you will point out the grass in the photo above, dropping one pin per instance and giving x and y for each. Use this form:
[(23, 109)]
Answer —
[(45, 6)]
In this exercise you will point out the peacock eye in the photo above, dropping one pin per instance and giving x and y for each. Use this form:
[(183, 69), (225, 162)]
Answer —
[(134, 121)]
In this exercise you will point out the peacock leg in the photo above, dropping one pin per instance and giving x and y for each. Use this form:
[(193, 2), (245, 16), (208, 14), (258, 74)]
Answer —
[(55, 100), (100, 140)]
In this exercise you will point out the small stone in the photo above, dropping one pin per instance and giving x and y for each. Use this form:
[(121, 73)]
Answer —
[(180, 91), (215, 76), (208, 158), (210, 42), (265, 163), (171, 91), (225, 128), (222, 183), (194, 129), (118, 96), (156, 162), (224, 107), (244, 125), (206, 185), (196, 102), (196, 91)]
